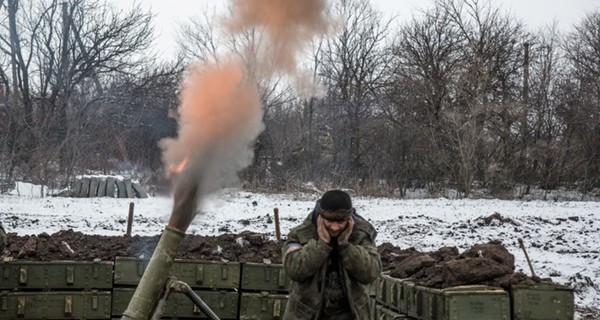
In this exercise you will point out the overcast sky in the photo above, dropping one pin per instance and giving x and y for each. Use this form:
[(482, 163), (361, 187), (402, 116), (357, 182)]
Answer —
[(534, 13)]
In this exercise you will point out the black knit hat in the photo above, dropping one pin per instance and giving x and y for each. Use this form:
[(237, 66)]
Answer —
[(335, 205)]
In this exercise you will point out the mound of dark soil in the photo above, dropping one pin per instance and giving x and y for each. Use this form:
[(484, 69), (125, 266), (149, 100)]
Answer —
[(71, 245), (489, 264)]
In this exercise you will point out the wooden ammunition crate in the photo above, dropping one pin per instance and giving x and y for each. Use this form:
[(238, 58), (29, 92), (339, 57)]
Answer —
[(223, 303), (55, 275), (197, 274), (462, 302), (264, 277), (392, 295), (264, 305), (56, 305), (389, 314), (542, 302)]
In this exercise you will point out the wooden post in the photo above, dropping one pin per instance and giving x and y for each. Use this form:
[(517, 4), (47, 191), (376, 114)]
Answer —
[(130, 219), (527, 257), (277, 232)]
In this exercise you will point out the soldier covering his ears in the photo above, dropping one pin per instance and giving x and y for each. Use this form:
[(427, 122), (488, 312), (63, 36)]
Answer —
[(331, 258)]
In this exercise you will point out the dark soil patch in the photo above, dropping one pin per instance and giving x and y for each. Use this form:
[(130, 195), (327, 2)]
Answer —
[(71, 245), (489, 264)]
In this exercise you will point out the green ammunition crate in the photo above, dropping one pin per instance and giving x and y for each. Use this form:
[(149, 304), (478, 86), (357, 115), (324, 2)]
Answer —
[(264, 277), (542, 302), (223, 303), (380, 291), (262, 306), (392, 295), (55, 305), (409, 297), (389, 314), (463, 302), (373, 287), (56, 275), (373, 308), (197, 274)]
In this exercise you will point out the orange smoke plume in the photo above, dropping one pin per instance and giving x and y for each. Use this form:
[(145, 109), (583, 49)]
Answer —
[(219, 119), (220, 115), (289, 25)]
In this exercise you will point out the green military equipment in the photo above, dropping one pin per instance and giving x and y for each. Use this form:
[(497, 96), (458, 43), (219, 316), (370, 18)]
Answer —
[(154, 278), (56, 305), (409, 297), (60, 275), (389, 314), (462, 302), (263, 305), (197, 274), (264, 277), (223, 303), (542, 302), (392, 295), (2, 238)]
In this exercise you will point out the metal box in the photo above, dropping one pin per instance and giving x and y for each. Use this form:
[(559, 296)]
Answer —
[(389, 314), (264, 277), (393, 293), (462, 302), (542, 302), (56, 275), (55, 305), (197, 274), (223, 303), (262, 305)]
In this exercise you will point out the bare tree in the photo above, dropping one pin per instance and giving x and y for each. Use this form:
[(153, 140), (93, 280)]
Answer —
[(60, 54), (580, 110), (354, 69)]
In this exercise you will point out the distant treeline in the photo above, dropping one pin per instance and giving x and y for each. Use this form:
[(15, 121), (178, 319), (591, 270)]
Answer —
[(463, 96)]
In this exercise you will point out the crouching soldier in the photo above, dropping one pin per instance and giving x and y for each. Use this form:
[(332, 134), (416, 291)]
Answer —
[(331, 259)]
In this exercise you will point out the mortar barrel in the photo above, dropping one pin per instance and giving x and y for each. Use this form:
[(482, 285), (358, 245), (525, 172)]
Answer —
[(155, 276)]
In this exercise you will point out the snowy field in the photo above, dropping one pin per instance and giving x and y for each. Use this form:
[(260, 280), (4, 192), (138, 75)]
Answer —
[(561, 236)]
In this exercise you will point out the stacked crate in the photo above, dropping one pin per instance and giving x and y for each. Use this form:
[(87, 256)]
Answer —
[(216, 283), (264, 291), (390, 299), (403, 299), (55, 290), (542, 302)]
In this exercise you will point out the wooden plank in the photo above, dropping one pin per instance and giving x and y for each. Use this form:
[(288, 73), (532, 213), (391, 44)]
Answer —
[(102, 188), (111, 187), (128, 188), (121, 192), (93, 187), (76, 188), (85, 188), (139, 192)]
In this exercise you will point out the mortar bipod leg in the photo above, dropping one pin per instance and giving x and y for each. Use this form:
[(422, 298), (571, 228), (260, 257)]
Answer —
[(181, 286), (161, 305)]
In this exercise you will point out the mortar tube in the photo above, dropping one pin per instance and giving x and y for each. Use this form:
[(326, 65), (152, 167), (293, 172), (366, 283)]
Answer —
[(155, 276)]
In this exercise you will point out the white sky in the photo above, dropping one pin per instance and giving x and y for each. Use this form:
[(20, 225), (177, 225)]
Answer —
[(534, 13)]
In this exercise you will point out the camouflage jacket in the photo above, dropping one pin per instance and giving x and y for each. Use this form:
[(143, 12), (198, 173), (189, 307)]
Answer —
[(2, 239), (360, 265)]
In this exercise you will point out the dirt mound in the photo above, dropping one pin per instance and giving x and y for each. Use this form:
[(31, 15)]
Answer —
[(489, 263), (71, 245)]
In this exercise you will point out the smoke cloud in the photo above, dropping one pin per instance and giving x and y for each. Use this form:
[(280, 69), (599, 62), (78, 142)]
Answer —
[(220, 115)]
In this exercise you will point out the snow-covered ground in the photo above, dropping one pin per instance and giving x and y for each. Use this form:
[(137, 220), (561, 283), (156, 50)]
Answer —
[(561, 237)]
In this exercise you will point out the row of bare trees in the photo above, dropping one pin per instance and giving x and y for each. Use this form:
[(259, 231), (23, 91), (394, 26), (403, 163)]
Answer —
[(463, 96)]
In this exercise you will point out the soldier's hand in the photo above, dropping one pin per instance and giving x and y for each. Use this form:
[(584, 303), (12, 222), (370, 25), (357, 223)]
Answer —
[(345, 235), (322, 231)]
